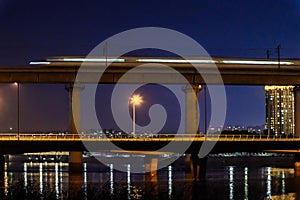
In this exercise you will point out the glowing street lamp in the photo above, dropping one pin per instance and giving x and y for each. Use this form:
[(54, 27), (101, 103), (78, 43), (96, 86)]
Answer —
[(135, 100), (18, 99)]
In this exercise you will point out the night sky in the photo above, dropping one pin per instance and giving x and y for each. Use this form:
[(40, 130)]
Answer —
[(33, 30)]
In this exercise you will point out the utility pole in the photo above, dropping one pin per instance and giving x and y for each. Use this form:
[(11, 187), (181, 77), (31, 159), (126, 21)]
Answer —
[(268, 53), (278, 54), (205, 111)]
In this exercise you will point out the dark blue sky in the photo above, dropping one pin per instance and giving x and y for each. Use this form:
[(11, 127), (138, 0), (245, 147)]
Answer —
[(33, 29)]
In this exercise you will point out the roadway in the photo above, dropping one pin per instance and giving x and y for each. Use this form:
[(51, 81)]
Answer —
[(233, 71), (27, 143)]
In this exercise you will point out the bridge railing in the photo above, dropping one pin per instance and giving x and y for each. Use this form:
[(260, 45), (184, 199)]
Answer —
[(158, 137), (246, 137)]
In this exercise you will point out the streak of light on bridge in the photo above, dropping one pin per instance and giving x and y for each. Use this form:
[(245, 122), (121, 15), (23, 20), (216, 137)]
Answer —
[(237, 71), (156, 138), (28, 143)]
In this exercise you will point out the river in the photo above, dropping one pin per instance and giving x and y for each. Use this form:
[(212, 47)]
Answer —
[(227, 178)]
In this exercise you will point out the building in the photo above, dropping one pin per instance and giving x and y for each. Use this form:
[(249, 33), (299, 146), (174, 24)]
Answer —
[(279, 110)]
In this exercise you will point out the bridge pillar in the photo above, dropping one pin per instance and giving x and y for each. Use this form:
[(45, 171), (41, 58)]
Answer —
[(151, 184), (2, 167), (74, 111), (151, 166), (75, 158), (198, 167), (191, 118), (297, 164), (191, 108), (75, 162)]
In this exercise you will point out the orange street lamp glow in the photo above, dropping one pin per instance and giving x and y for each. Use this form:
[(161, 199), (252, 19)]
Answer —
[(135, 100)]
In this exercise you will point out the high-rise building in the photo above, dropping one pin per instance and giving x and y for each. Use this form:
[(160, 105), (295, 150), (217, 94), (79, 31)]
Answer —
[(280, 110)]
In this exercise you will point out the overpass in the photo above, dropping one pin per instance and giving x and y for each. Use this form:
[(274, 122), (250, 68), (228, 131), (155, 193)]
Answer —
[(74, 142), (234, 71)]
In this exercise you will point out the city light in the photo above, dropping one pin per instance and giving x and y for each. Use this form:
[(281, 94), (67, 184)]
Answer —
[(176, 61), (85, 59), (278, 87), (135, 100), (256, 62), (39, 63)]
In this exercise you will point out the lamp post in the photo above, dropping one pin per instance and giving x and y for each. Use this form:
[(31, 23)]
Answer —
[(135, 100), (18, 102)]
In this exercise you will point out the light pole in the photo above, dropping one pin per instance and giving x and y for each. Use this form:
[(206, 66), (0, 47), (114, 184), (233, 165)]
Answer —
[(18, 102), (135, 100)]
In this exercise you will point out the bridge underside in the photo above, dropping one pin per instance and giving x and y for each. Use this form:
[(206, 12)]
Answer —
[(238, 71), (17, 147), (230, 77)]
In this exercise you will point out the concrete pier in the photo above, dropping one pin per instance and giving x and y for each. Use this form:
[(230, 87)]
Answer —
[(194, 164), (75, 158)]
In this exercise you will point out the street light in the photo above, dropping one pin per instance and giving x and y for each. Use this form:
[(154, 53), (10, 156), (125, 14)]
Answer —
[(135, 100), (18, 99)]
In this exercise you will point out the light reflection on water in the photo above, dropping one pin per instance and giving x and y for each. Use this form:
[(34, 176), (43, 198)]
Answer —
[(269, 182), (246, 183), (111, 178), (170, 181), (229, 182)]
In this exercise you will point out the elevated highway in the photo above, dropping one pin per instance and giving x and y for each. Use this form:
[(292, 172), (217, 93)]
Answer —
[(234, 71)]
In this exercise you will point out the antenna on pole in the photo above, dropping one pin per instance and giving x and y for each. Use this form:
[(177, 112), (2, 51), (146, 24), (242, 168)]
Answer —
[(268, 53), (278, 54), (105, 53)]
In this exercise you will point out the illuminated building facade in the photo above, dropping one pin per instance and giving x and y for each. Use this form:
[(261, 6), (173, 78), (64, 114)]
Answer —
[(280, 110)]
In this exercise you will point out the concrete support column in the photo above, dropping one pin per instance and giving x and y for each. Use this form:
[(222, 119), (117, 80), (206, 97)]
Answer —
[(297, 111), (151, 183), (198, 167), (2, 167), (203, 166), (193, 163), (297, 164), (75, 162), (75, 158), (191, 108), (74, 107), (151, 166)]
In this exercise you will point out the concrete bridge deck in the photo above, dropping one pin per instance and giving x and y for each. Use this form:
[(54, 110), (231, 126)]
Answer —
[(233, 70), (25, 143)]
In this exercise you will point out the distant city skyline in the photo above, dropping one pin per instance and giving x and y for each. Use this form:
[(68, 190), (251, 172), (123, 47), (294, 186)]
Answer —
[(35, 95)]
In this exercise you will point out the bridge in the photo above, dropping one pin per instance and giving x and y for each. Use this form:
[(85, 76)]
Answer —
[(233, 71), (236, 71), (75, 142)]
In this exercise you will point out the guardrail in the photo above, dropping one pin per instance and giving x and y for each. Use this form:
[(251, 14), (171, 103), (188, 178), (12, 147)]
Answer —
[(159, 137)]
